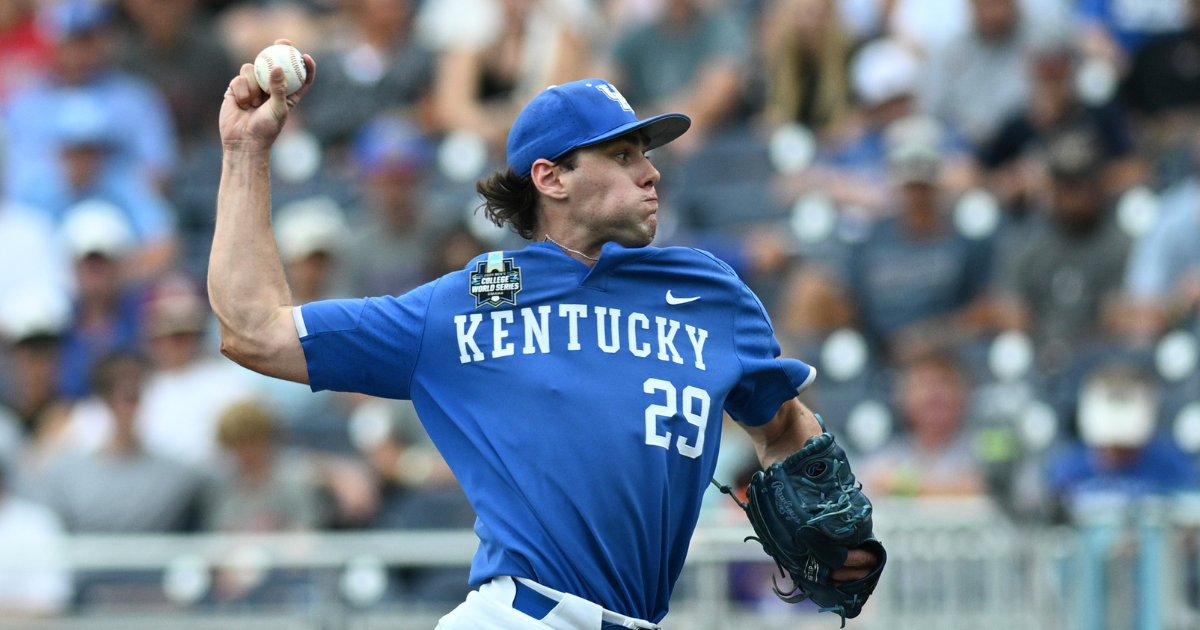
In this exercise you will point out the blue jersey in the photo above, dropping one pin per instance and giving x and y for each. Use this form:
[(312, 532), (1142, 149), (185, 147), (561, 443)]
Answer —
[(580, 408)]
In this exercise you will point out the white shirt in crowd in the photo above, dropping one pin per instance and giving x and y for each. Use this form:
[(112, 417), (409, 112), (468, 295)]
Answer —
[(34, 579)]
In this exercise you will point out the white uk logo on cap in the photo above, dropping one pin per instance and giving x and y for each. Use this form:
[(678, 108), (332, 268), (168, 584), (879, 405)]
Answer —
[(611, 92)]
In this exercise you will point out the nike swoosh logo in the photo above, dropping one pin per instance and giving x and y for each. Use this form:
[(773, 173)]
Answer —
[(674, 300)]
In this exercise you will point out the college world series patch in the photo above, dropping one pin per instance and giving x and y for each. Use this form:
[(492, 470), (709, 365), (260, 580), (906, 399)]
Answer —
[(495, 281)]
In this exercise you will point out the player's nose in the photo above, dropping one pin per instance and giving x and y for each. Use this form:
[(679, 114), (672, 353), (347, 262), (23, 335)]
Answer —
[(650, 175)]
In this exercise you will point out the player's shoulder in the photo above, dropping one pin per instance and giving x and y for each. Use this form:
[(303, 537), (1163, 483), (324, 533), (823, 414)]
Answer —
[(694, 259)]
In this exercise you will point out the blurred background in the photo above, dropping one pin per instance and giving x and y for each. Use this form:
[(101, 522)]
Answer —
[(979, 219)]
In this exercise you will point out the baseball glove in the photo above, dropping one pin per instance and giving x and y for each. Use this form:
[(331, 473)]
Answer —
[(808, 512)]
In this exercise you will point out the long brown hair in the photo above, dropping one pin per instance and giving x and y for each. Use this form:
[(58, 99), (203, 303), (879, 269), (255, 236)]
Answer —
[(513, 199)]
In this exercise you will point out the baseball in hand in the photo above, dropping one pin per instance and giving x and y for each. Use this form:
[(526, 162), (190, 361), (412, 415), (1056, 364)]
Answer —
[(290, 59)]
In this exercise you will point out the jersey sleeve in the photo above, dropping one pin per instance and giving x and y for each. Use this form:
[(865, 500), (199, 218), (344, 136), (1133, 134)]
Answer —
[(368, 345), (767, 380)]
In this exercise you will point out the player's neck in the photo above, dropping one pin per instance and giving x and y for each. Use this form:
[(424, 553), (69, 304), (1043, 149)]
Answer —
[(587, 256)]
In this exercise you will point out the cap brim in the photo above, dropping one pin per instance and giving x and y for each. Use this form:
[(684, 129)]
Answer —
[(658, 129)]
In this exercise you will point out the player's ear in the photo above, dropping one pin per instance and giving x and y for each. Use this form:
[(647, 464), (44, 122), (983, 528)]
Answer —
[(548, 180)]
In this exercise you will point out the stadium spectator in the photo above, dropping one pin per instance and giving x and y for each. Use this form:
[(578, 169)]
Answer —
[(933, 456), (120, 488), (508, 51), (106, 317), (1054, 110), (1115, 30), (175, 48), (34, 579), (1120, 449), (188, 389), (381, 63), (265, 490), (1162, 280), (31, 327), (26, 54), (914, 283), (311, 235), (84, 77), (1166, 71), (389, 249), (312, 238), (32, 258), (419, 490), (981, 78), (688, 60), (1067, 274), (852, 164), (454, 247), (807, 57), (87, 145)]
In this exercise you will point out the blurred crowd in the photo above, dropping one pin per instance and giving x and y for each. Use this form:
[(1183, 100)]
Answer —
[(979, 219)]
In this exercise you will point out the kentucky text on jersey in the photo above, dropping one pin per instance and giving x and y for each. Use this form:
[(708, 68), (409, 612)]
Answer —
[(610, 332)]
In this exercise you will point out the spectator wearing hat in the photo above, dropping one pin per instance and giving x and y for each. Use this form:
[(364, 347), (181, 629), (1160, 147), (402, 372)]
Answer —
[(87, 142), (852, 162), (83, 83), (311, 235), (1065, 278), (389, 251), (34, 579), (188, 388), (914, 283), (106, 318), (1121, 449), (32, 324), (381, 62), (120, 487)]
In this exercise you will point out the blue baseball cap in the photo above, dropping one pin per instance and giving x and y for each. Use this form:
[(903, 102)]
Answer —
[(577, 114), (390, 145)]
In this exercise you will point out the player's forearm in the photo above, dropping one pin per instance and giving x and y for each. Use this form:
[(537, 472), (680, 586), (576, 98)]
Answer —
[(246, 283), (785, 433)]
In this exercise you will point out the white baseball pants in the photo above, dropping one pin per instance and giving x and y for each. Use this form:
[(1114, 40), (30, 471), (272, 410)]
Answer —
[(490, 608)]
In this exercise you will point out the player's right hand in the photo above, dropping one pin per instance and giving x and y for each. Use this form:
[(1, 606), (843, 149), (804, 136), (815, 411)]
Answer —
[(250, 118)]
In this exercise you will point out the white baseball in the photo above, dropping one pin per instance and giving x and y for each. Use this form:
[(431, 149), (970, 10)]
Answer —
[(290, 59)]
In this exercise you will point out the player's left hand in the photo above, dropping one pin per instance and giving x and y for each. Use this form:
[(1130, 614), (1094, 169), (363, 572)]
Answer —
[(810, 515), (859, 564), (250, 118)]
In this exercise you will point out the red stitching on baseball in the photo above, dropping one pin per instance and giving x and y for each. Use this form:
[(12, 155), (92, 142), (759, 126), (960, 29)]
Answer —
[(293, 54)]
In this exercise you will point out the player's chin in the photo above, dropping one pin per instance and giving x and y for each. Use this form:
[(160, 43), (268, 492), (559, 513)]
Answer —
[(640, 237)]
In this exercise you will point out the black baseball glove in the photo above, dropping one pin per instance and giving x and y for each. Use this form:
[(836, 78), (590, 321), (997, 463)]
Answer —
[(808, 513)]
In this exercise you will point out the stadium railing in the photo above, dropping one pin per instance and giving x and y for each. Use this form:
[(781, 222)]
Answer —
[(957, 563)]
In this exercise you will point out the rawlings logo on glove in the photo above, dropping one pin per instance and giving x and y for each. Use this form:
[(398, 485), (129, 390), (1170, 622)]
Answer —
[(808, 513)]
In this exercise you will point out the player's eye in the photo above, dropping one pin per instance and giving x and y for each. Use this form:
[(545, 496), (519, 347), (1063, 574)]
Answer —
[(623, 156)]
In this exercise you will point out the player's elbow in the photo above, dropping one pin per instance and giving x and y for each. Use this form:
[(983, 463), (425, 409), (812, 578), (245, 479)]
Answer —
[(272, 349), (239, 348)]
